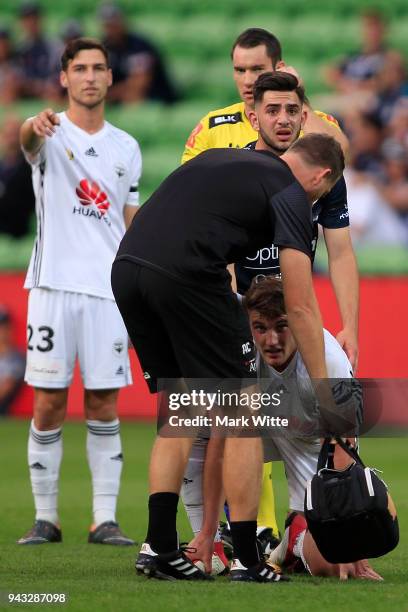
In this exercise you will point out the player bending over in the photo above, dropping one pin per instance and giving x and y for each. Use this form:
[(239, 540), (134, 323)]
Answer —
[(280, 363), (186, 323), (280, 366)]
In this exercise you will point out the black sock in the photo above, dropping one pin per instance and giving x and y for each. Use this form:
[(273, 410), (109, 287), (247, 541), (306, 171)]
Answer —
[(244, 542), (161, 532)]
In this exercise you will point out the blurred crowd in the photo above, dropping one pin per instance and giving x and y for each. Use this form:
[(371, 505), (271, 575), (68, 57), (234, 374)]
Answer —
[(12, 363), (370, 98), (17, 202), (31, 68)]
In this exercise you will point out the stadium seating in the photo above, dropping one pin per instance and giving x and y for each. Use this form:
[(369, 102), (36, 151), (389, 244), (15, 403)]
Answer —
[(196, 39)]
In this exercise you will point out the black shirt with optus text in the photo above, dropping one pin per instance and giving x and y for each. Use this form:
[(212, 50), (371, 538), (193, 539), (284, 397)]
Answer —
[(217, 209)]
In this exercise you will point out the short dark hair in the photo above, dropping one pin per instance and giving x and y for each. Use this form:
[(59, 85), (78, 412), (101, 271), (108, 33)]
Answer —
[(253, 37), (265, 295), (80, 44), (321, 150), (277, 81)]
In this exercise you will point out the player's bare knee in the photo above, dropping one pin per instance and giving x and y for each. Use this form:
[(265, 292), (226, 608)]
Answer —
[(49, 408), (101, 404)]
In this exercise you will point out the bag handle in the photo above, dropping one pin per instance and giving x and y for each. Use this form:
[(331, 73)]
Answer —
[(350, 450), (327, 452)]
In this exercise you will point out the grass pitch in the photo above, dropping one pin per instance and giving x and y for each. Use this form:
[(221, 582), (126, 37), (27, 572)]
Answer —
[(102, 578)]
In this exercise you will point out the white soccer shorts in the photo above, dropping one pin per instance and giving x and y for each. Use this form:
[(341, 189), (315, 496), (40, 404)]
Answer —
[(63, 326), (300, 457)]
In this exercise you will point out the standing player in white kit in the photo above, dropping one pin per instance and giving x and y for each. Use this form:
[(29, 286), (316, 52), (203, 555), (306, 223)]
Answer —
[(85, 176)]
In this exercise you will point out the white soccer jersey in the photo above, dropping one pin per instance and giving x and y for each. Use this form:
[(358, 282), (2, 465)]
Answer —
[(82, 183), (300, 454), (295, 386), (337, 363)]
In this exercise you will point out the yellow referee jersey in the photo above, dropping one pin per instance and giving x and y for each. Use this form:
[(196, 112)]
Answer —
[(226, 127)]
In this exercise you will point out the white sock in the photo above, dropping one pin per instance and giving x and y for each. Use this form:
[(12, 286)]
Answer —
[(298, 545), (44, 460), (298, 550), (192, 488), (104, 451)]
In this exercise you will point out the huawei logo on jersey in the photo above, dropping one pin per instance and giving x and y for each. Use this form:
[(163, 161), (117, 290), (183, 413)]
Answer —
[(90, 193)]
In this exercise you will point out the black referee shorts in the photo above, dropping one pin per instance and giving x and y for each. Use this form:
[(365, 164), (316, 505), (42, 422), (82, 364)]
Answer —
[(181, 331)]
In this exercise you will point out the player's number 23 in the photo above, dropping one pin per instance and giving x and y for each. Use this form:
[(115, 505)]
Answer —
[(46, 344)]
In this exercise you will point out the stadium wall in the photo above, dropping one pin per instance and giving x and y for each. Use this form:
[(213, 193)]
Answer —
[(383, 339)]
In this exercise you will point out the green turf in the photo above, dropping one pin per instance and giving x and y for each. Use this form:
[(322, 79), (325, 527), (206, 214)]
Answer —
[(102, 578)]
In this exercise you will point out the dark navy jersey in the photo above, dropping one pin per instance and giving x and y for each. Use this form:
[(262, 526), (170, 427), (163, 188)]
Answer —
[(330, 212)]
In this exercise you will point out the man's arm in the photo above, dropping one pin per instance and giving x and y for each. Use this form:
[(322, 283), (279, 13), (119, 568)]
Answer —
[(231, 270), (134, 88), (128, 213), (306, 325), (302, 310), (344, 277), (35, 129), (132, 205)]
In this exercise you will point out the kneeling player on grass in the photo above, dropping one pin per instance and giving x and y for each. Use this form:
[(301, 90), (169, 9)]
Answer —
[(280, 365), (280, 362)]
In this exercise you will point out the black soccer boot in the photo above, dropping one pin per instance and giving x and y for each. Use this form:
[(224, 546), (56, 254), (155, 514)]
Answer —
[(262, 572), (175, 566), (109, 532), (43, 532), (145, 559)]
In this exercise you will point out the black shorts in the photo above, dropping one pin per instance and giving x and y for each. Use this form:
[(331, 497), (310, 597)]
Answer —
[(181, 331)]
